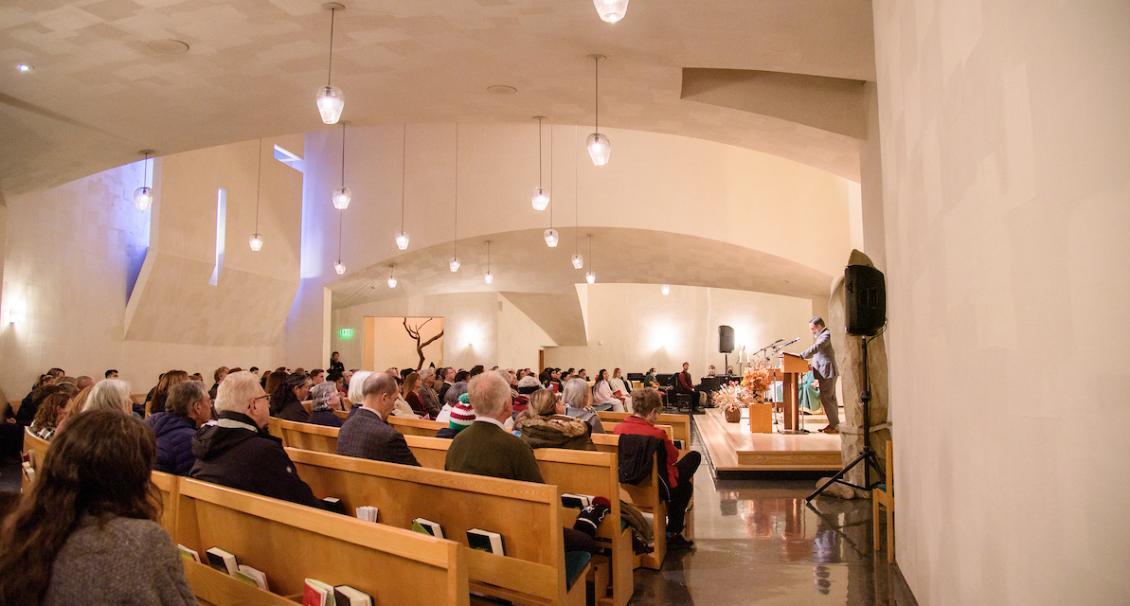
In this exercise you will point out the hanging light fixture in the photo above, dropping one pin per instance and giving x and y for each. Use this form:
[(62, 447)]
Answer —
[(590, 277), (600, 148), (143, 196), (339, 267), (256, 239), (342, 196), (611, 11), (402, 236), (540, 200), (488, 277), (665, 289), (391, 276), (552, 238), (454, 264), (330, 100), (578, 260)]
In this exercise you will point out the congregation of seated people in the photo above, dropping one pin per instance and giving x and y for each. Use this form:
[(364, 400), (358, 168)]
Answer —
[(103, 445)]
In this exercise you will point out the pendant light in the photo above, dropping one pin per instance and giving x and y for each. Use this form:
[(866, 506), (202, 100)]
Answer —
[(402, 236), (392, 276), (488, 277), (578, 260), (611, 11), (600, 148), (330, 100), (339, 267), (143, 196), (256, 239), (590, 277), (665, 289), (540, 200), (552, 238), (454, 264), (342, 196)]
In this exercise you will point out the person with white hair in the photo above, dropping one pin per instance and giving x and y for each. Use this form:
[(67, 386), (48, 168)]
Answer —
[(109, 394), (578, 403), (487, 448), (238, 452)]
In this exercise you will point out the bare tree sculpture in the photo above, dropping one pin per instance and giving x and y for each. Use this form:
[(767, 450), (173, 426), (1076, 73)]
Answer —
[(414, 332)]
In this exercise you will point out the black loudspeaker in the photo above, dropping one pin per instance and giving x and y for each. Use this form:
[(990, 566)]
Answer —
[(725, 339), (865, 300)]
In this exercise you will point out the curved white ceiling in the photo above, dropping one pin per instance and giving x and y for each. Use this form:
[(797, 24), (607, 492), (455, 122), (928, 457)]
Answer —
[(100, 92)]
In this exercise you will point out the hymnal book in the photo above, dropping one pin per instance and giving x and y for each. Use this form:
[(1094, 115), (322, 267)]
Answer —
[(222, 560), (486, 540), (368, 513), (188, 554), (333, 504), (344, 595), (252, 576), (427, 527), (317, 593), (575, 501), (678, 444), (27, 465)]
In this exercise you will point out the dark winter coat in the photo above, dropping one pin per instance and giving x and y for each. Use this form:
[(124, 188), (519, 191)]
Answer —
[(234, 453), (174, 442)]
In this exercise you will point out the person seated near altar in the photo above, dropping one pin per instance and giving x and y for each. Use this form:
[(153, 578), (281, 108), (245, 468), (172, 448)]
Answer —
[(680, 472), (684, 383), (602, 395), (824, 369), (711, 371)]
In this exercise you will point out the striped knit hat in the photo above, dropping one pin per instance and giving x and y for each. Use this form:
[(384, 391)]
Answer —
[(461, 413)]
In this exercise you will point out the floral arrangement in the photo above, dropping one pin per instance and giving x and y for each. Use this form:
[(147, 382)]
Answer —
[(757, 381), (732, 396)]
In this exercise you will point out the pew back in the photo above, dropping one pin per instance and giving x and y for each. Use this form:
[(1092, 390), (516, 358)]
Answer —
[(169, 486), (680, 424), (416, 427), (645, 496), (526, 515), (291, 543)]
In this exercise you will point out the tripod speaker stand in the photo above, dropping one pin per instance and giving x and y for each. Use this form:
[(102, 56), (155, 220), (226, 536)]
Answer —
[(867, 456)]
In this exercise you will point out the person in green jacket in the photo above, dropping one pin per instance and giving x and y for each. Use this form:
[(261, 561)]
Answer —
[(486, 448)]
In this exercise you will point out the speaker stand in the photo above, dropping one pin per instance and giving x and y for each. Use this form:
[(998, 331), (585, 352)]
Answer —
[(867, 456)]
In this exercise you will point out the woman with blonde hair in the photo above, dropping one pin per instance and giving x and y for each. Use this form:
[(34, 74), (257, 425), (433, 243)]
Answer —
[(544, 424), (168, 380)]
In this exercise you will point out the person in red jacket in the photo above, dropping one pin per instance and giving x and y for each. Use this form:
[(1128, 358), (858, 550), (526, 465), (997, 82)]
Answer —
[(680, 472), (685, 384)]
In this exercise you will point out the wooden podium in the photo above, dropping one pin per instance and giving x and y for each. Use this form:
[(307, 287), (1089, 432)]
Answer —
[(791, 367)]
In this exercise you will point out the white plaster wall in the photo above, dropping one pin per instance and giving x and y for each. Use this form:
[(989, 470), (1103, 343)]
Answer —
[(69, 254), (1005, 138), (519, 338), (634, 327)]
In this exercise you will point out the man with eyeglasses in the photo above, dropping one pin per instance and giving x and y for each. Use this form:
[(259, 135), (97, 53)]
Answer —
[(238, 452)]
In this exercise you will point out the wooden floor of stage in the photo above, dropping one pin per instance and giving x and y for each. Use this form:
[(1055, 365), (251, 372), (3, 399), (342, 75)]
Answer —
[(732, 448)]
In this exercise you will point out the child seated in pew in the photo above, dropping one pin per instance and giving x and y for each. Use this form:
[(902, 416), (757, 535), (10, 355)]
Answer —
[(87, 531), (680, 472)]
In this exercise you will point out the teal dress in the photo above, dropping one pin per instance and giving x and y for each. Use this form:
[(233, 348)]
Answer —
[(809, 400)]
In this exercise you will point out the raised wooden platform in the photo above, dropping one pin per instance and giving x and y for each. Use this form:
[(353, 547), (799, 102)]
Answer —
[(732, 448)]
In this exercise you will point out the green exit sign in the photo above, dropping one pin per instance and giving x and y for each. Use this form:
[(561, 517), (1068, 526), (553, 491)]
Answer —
[(345, 333)]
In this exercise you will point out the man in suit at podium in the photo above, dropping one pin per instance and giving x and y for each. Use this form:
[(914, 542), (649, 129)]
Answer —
[(824, 368)]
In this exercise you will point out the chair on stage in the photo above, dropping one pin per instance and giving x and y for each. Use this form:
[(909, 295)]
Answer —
[(884, 496)]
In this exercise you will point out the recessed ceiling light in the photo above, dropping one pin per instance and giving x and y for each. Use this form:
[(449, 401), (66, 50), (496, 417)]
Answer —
[(24, 68), (168, 46), (501, 89)]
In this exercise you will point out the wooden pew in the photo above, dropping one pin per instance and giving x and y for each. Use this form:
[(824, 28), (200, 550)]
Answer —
[(416, 427), (36, 447), (574, 471), (307, 436), (291, 543), (169, 487), (680, 424), (527, 515)]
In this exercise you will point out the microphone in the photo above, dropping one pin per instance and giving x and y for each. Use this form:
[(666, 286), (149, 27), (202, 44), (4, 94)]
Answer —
[(790, 342)]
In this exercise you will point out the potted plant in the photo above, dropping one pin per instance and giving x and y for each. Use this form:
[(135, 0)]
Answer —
[(732, 397)]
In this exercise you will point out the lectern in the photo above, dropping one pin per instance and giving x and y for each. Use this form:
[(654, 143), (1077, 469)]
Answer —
[(792, 367)]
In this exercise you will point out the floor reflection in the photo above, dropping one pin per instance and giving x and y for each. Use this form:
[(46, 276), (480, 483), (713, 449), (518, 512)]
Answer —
[(758, 543)]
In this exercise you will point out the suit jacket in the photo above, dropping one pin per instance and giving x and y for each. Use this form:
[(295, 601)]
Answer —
[(366, 435), (823, 357)]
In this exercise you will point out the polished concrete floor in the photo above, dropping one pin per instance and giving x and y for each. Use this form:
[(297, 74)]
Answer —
[(757, 543)]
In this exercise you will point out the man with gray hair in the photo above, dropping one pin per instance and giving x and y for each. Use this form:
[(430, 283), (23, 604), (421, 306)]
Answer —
[(238, 452), (824, 369), (486, 448), (366, 433), (187, 407)]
